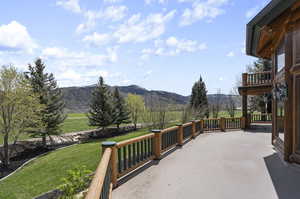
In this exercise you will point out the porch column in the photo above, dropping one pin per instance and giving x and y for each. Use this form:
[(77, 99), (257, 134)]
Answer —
[(245, 108)]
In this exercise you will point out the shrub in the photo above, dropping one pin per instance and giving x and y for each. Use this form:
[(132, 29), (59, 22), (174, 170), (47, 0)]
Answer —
[(76, 181)]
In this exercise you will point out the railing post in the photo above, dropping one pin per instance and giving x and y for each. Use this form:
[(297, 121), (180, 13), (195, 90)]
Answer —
[(202, 126), (248, 120), (113, 160), (243, 123), (222, 124), (244, 79), (180, 135), (193, 129), (157, 144)]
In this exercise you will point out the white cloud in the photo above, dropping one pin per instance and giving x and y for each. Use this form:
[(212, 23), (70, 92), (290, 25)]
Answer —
[(136, 29), (173, 46), (202, 10), (72, 5), (64, 57), (112, 1), (153, 1), (111, 13), (15, 37), (230, 54), (97, 39), (73, 77)]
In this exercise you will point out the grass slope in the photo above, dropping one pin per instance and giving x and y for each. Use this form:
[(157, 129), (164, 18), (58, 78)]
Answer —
[(45, 173)]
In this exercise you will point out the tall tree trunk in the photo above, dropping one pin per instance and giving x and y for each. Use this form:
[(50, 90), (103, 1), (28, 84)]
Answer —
[(6, 151)]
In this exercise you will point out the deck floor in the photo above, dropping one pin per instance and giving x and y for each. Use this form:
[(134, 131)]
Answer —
[(217, 166)]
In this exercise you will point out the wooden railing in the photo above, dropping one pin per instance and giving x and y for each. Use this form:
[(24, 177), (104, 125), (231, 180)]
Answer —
[(259, 78), (101, 186), (187, 130), (261, 118), (169, 138), (233, 123), (212, 124), (122, 158), (134, 153)]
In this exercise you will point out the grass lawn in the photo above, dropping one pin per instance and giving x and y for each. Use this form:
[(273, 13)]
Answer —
[(225, 114), (74, 122), (45, 173)]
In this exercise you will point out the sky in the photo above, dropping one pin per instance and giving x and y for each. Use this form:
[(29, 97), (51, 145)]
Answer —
[(156, 44)]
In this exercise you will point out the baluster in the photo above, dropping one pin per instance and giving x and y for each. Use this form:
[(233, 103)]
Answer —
[(149, 147), (138, 152), (146, 148), (124, 158), (120, 160), (134, 153), (129, 156)]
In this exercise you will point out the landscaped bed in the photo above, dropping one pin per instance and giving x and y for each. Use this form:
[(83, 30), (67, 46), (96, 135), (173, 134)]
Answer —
[(45, 173)]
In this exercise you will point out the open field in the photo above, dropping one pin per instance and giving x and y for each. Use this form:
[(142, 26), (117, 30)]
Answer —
[(45, 173)]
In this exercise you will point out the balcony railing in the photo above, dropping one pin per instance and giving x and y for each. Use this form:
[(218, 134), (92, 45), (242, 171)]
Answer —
[(261, 118), (256, 79), (122, 158)]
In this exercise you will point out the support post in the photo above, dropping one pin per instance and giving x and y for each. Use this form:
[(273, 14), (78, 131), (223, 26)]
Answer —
[(193, 129), (222, 124), (113, 160), (245, 108), (243, 123), (202, 126), (157, 144), (180, 135)]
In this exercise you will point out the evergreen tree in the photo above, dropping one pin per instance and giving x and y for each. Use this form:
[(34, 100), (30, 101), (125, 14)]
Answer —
[(121, 115), (101, 107), (199, 102), (50, 96)]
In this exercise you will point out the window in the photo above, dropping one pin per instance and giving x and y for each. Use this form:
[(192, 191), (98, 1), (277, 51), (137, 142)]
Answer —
[(280, 56)]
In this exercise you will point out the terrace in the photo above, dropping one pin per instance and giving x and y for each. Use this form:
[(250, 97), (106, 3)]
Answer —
[(208, 158)]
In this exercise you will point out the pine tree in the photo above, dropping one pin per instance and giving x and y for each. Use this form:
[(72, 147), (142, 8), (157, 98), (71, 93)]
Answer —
[(121, 115), (101, 107), (50, 96), (199, 102)]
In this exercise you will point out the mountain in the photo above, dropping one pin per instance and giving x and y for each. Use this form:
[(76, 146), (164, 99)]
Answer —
[(77, 99)]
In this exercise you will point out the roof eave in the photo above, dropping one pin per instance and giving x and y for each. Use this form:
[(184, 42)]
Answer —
[(264, 17)]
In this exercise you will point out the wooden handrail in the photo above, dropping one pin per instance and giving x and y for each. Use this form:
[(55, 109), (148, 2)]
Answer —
[(96, 186), (169, 129), (187, 124), (127, 142), (260, 72)]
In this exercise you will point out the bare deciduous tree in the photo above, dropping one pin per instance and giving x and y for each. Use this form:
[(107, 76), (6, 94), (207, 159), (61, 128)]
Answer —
[(216, 105), (231, 105)]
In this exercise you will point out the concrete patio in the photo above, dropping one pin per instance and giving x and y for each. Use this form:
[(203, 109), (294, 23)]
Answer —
[(217, 166)]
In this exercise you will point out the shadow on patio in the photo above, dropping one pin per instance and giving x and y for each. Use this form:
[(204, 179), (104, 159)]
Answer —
[(285, 177)]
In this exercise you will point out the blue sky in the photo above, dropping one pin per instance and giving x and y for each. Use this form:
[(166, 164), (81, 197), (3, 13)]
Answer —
[(156, 44)]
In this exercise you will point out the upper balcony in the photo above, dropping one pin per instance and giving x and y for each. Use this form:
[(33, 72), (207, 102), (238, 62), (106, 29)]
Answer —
[(256, 83)]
